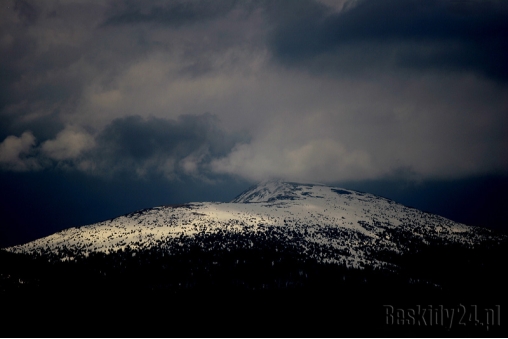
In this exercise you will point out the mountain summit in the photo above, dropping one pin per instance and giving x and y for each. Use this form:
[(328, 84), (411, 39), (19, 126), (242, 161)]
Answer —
[(271, 190)]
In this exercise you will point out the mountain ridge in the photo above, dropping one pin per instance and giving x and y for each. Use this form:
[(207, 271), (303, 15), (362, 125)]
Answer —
[(311, 210)]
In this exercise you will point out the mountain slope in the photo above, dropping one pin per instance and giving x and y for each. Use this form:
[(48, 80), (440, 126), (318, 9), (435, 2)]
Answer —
[(327, 223)]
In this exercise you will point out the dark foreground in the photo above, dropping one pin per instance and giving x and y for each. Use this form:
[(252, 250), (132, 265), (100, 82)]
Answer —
[(265, 291)]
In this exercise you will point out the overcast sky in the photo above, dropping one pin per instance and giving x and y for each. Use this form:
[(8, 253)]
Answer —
[(194, 100)]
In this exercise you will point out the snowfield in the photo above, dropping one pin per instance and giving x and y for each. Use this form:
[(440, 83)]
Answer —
[(330, 224)]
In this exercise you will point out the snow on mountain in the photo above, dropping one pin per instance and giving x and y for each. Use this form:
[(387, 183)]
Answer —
[(269, 191), (326, 223)]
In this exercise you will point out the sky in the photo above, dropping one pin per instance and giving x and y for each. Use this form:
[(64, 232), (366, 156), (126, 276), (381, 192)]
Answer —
[(112, 106)]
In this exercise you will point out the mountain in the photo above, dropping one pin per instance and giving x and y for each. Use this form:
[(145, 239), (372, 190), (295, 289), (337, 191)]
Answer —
[(276, 240), (327, 223)]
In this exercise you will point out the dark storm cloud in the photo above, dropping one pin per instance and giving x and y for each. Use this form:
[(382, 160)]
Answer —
[(12, 62), (45, 127), (447, 35), (74, 74), (171, 13), (27, 11), (139, 139), (131, 145), (39, 53), (142, 138), (184, 146)]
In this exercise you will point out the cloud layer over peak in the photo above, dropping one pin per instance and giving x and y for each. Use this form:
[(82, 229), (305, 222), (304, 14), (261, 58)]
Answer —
[(312, 90)]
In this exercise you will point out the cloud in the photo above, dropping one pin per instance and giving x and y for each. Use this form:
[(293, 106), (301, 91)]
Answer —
[(319, 160), (319, 90), (433, 127), (27, 12), (70, 143), (419, 35), (339, 5), (15, 153), (65, 151), (184, 146), (171, 13), (132, 145)]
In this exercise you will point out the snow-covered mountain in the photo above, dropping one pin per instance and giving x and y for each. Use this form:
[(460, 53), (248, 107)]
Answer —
[(329, 224), (280, 258)]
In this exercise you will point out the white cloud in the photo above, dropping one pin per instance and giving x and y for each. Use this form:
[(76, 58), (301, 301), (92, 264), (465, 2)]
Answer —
[(315, 160), (69, 144), (14, 152)]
